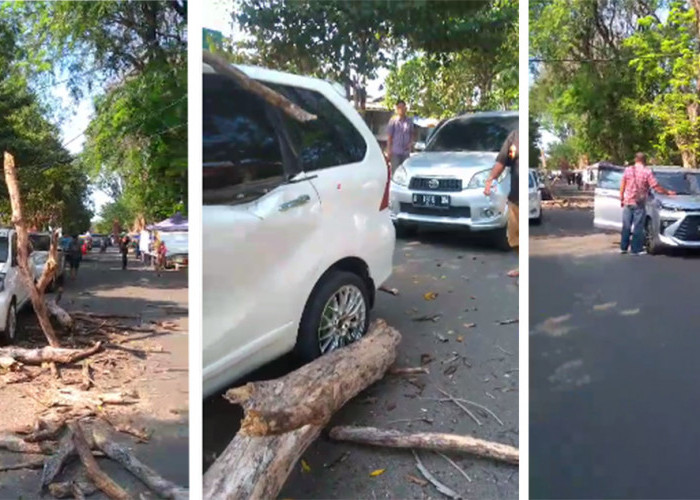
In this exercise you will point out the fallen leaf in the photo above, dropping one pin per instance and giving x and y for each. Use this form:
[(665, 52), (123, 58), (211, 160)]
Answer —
[(508, 321), (390, 406), (441, 337), (430, 317), (305, 466), (450, 370), (416, 480), (377, 472), (469, 325), (443, 277), (425, 359), (430, 295), (460, 339)]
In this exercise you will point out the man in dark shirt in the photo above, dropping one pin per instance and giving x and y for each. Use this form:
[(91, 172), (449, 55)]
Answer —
[(509, 157), (124, 249)]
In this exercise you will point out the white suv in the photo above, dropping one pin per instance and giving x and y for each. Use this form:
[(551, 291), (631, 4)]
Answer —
[(297, 232), (13, 293)]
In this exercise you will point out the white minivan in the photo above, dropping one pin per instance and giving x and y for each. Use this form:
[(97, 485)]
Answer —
[(297, 232), (14, 294)]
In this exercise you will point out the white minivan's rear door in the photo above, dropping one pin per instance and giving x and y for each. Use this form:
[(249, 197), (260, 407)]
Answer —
[(257, 216), (607, 209)]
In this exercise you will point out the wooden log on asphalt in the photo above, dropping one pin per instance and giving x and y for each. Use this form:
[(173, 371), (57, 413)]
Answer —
[(427, 441), (54, 463), (14, 443), (48, 354), (72, 489), (256, 468), (96, 475), (314, 392), (104, 440), (223, 67)]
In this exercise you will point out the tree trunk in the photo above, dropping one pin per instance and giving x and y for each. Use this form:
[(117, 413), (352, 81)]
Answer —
[(119, 453), (48, 354), (37, 296), (426, 440), (298, 405), (256, 468), (311, 394), (276, 99)]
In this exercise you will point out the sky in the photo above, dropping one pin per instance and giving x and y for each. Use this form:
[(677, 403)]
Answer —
[(76, 121)]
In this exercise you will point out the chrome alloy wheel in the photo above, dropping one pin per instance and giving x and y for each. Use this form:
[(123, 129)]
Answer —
[(343, 319)]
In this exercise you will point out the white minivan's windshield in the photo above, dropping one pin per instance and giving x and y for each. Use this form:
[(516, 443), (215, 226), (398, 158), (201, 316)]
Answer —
[(473, 133), (683, 183)]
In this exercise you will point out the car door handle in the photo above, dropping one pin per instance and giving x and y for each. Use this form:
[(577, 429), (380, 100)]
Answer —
[(297, 202)]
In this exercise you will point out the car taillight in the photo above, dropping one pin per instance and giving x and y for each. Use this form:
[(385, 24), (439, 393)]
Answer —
[(385, 199)]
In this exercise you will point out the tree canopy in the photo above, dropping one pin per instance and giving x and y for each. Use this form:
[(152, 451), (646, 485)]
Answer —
[(131, 56), (617, 76)]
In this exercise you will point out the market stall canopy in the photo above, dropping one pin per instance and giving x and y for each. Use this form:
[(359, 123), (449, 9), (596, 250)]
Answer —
[(175, 223)]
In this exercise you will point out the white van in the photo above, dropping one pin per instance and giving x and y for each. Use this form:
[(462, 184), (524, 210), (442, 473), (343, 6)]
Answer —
[(297, 232)]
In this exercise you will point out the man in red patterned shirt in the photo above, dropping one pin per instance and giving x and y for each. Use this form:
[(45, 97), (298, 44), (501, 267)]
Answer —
[(634, 190)]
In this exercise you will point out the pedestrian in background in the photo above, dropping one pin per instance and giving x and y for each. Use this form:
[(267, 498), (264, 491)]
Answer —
[(509, 157), (637, 180), (400, 136), (124, 249), (75, 255)]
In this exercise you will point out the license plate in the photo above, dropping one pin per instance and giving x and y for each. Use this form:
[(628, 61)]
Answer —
[(431, 200)]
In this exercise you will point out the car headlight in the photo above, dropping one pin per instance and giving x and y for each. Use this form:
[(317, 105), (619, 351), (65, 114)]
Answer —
[(400, 177), (478, 180)]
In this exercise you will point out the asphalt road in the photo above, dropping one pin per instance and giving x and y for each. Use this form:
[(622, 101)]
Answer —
[(614, 341), (470, 281)]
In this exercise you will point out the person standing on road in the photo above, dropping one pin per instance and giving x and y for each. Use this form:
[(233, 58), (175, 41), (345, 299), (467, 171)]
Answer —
[(75, 255), (509, 157), (124, 249), (400, 133), (637, 180)]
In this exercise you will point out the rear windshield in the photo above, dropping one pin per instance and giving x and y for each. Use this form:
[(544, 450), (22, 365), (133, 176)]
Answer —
[(473, 134), (680, 182)]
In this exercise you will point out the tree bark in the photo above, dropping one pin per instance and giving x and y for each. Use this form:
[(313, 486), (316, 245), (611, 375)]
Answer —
[(256, 468), (274, 98), (162, 487), (101, 480), (19, 222), (311, 394), (48, 354), (60, 314), (427, 441)]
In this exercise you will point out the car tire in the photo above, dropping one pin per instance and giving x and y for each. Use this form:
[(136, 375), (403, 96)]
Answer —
[(652, 247), (404, 230), (9, 334), (537, 221), (308, 346)]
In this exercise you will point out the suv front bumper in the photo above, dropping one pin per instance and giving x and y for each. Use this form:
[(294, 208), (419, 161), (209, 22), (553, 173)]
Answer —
[(469, 209), (679, 229)]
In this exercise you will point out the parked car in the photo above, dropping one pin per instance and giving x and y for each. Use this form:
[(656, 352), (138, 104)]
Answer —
[(14, 294), (671, 221), (534, 198), (443, 186), (41, 242), (296, 227)]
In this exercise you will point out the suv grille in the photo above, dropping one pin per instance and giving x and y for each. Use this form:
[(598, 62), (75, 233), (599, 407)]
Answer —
[(422, 184), (455, 212), (689, 230)]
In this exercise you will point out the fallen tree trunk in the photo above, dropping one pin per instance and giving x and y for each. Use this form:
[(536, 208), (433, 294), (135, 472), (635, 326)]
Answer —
[(311, 394), (162, 487), (96, 475), (56, 311), (256, 468), (14, 443), (48, 354), (427, 441)]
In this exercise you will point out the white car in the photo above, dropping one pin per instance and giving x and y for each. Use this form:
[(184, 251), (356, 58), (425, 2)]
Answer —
[(535, 198), (296, 226), (13, 293), (41, 243)]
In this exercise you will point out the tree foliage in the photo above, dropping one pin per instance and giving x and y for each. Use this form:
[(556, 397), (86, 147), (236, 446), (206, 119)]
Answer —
[(135, 51), (618, 76), (349, 41)]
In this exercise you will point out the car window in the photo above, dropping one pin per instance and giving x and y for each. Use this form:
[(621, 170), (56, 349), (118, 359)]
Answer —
[(609, 178), (473, 134), (242, 150), (328, 141), (40, 242), (681, 182), (532, 180)]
